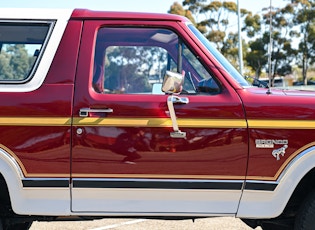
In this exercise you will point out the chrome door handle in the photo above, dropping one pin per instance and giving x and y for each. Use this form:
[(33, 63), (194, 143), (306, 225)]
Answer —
[(179, 100), (84, 112)]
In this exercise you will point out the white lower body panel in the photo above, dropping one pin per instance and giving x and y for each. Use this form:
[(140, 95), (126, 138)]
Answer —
[(157, 202)]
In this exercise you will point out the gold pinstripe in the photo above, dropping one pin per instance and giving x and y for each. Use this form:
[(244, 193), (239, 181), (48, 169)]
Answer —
[(161, 122), (35, 121), (157, 122), (281, 124)]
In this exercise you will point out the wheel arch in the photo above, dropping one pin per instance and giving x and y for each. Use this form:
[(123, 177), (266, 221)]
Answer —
[(11, 176), (290, 184)]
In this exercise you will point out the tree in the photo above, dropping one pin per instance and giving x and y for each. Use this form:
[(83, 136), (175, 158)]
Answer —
[(305, 18), (6, 71), (19, 61), (230, 48), (214, 19), (178, 9), (280, 30), (257, 55), (257, 58), (15, 62), (252, 24)]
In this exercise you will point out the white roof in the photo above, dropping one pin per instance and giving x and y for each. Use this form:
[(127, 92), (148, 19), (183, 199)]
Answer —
[(34, 13)]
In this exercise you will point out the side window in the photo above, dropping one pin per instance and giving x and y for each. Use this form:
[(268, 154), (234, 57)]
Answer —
[(21, 45), (134, 61), (197, 78), (134, 69)]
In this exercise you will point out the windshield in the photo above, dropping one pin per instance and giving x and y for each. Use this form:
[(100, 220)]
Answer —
[(219, 57)]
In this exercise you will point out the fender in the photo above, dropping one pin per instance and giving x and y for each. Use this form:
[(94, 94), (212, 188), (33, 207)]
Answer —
[(29, 200), (270, 204)]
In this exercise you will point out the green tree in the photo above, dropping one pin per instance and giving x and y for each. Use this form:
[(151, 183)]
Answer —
[(178, 9), (214, 18), (282, 32), (15, 62), (6, 71), (252, 24), (281, 29), (230, 48), (257, 58), (19, 61), (305, 19)]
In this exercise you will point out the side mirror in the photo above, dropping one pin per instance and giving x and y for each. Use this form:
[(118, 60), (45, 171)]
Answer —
[(172, 83)]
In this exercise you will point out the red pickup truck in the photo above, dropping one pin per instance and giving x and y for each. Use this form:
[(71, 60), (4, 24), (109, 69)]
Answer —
[(108, 114)]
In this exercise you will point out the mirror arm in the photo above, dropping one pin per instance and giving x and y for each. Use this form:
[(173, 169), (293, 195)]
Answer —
[(170, 104)]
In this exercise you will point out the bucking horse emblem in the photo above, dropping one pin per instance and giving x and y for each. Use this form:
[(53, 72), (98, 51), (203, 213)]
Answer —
[(277, 152)]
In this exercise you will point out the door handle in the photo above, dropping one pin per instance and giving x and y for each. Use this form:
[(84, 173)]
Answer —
[(84, 112), (179, 100)]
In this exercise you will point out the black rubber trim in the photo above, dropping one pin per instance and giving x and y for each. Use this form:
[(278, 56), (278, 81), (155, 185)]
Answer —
[(261, 186), (33, 183), (205, 185), (158, 184)]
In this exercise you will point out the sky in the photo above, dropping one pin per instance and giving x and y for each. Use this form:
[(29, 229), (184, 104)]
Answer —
[(156, 6)]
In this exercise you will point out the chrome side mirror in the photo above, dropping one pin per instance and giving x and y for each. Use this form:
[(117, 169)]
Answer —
[(172, 83)]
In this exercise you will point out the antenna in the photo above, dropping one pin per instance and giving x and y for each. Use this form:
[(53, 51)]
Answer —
[(270, 49), (240, 49)]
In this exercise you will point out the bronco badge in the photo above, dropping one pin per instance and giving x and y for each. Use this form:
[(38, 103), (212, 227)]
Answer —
[(270, 144)]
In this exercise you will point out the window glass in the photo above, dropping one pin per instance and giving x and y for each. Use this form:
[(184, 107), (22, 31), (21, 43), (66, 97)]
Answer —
[(135, 60), (197, 79), (20, 46), (134, 69), (220, 58)]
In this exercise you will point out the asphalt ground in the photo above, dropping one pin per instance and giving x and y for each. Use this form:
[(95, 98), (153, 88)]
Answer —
[(221, 223)]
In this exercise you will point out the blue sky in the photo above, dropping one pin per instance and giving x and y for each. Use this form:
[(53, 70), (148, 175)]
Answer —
[(158, 6)]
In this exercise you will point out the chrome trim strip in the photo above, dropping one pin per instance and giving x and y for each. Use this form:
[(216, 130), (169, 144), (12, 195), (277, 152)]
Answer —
[(293, 161), (11, 160)]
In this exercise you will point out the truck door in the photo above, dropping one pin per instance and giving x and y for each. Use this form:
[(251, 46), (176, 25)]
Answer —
[(128, 156)]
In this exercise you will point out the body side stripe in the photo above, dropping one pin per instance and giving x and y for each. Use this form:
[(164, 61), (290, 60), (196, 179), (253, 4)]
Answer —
[(35, 121), (162, 122), (157, 122), (281, 124)]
